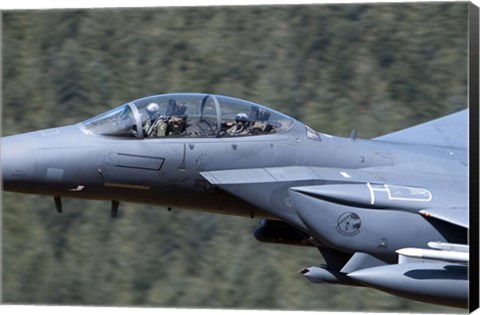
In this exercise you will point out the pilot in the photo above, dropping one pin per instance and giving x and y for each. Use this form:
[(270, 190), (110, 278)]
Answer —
[(154, 121), (241, 126)]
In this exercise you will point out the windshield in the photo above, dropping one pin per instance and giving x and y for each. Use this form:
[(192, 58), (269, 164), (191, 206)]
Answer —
[(116, 122), (188, 115)]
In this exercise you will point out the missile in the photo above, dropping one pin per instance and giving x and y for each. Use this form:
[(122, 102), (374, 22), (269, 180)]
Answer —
[(370, 195), (449, 246), (433, 282), (431, 254)]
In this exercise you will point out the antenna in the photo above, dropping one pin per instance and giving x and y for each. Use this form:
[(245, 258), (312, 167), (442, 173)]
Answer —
[(353, 135)]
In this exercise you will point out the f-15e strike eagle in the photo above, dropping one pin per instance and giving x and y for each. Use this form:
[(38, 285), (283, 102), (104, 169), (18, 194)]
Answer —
[(389, 213)]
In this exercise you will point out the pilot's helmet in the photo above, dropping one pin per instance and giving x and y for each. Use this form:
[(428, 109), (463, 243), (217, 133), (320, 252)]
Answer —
[(153, 109), (241, 117)]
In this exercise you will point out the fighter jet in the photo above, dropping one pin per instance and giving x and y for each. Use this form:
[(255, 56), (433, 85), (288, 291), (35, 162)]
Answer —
[(390, 213)]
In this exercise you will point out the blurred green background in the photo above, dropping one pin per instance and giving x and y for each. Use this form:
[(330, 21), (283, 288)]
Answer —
[(375, 68)]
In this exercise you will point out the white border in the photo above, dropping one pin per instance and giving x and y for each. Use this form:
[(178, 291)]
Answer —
[(67, 4)]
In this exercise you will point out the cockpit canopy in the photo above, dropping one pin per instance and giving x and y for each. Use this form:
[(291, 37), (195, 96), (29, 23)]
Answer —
[(188, 115)]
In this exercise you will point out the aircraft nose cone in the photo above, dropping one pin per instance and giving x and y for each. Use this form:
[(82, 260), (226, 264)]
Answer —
[(18, 160)]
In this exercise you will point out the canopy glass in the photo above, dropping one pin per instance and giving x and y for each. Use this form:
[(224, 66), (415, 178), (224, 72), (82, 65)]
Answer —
[(188, 115)]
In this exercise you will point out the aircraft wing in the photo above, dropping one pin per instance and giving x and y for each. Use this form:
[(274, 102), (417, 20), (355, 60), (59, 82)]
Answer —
[(457, 216), (377, 188), (276, 174), (449, 131)]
